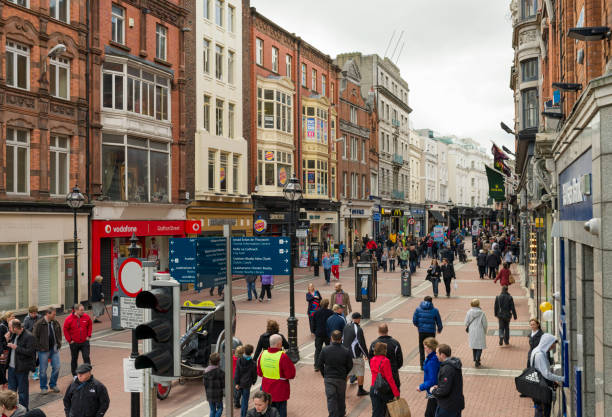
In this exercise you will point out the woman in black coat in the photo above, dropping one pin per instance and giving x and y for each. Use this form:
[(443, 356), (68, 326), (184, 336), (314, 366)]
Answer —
[(534, 337), (433, 275), (264, 339)]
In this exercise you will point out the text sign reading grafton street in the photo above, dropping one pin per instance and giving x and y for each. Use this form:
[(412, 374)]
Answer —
[(211, 262), (260, 255), (182, 260)]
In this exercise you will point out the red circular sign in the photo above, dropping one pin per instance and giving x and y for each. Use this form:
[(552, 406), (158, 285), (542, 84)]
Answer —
[(130, 277), (411, 220)]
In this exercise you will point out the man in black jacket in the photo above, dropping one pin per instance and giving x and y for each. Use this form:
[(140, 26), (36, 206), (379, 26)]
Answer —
[(86, 396), (335, 363), (48, 341), (504, 310), (394, 351), (320, 328), (354, 341), (493, 261), (481, 261), (449, 391), (448, 273), (22, 360)]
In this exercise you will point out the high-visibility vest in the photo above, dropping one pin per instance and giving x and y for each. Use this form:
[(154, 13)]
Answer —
[(270, 364)]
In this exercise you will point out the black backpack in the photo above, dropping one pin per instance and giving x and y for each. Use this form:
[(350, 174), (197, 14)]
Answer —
[(532, 384)]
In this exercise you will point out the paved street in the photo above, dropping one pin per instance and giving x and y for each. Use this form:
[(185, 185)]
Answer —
[(493, 380)]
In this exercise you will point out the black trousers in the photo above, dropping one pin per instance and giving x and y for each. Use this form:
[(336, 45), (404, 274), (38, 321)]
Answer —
[(492, 272), (432, 404), (423, 336), (319, 341), (477, 353), (265, 289), (504, 330), (75, 348), (482, 271), (447, 285), (335, 391), (311, 322)]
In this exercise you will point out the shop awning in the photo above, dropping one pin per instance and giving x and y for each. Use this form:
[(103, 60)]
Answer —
[(437, 215)]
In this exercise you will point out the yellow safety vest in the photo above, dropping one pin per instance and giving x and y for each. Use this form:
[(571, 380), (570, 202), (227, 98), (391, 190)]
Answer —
[(270, 364)]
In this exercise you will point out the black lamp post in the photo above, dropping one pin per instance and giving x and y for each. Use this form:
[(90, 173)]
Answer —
[(350, 206), (75, 201), (292, 193)]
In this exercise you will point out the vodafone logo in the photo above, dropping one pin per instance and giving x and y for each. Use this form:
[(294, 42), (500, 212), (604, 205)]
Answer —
[(193, 227), (108, 228), (196, 227)]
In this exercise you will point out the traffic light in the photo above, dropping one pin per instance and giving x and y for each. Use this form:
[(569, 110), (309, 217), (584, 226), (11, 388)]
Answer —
[(163, 329)]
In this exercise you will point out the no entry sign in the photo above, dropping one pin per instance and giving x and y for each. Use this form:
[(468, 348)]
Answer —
[(131, 276)]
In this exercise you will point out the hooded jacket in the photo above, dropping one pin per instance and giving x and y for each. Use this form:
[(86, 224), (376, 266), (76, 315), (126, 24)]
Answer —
[(449, 392), (87, 399), (245, 374), (539, 358), (476, 322), (426, 318), (431, 367), (353, 340)]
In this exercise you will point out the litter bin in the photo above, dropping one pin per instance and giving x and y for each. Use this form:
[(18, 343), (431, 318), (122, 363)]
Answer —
[(406, 283)]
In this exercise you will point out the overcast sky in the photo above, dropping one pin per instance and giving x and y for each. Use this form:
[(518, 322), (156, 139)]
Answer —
[(456, 57)]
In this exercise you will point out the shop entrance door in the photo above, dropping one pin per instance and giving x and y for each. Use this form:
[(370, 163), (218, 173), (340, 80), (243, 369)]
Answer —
[(68, 282)]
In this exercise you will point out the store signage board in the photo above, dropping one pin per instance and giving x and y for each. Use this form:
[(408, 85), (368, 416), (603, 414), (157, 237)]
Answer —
[(575, 198), (438, 234), (376, 217), (260, 255), (303, 233), (182, 260), (211, 262)]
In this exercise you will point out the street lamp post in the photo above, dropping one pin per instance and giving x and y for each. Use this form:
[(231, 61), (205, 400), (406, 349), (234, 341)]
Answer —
[(350, 206), (75, 201), (292, 193), (450, 207)]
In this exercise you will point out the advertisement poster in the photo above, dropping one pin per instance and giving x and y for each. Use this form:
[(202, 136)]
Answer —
[(438, 233), (282, 175), (304, 259), (311, 177), (269, 155), (310, 127)]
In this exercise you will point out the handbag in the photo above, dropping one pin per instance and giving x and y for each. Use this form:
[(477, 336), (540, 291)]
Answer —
[(532, 384), (467, 328), (398, 408), (381, 386), (511, 279)]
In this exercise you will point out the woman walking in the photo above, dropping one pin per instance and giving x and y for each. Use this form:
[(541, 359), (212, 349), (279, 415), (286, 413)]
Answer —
[(383, 259), (97, 298), (534, 337), (476, 326), (5, 319), (266, 287), (326, 261), (392, 259), (313, 298), (264, 339), (504, 276), (381, 364), (431, 366), (336, 265), (433, 275)]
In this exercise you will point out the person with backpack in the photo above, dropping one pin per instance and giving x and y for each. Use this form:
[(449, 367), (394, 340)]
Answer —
[(245, 376), (381, 365), (354, 340)]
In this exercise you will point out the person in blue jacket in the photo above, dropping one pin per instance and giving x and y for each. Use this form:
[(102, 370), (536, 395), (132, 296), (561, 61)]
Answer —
[(427, 319), (335, 321), (327, 266), (431, 366)]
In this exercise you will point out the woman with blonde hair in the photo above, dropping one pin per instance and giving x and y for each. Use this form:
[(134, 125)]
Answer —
[(5, 319), (476, 326)]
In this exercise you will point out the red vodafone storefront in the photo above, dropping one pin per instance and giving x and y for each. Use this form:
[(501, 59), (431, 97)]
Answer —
[(111, 239)]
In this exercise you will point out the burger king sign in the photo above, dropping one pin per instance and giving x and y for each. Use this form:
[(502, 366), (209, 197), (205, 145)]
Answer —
[(260, 225)]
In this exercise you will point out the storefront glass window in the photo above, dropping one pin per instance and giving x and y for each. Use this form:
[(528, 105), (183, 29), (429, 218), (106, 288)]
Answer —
[(48, 293), (14, 276)]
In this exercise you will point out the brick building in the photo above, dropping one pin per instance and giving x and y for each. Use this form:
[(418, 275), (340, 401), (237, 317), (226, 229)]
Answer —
[(357, 156), (292, 126), (42, 151), (139, 159)]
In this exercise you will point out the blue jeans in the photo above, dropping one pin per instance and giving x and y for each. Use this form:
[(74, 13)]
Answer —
[(244, 392), (18, 382), (216, 409), (434, 284), (251, 287), (43, 358), (281, 407), (440, 412), (413, 267), (379, 408)]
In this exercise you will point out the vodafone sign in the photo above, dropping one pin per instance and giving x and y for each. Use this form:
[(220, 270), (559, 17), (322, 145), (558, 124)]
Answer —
[(193, 227), (140, 228)]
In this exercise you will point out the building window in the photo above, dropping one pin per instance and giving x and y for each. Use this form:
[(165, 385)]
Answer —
[(212, 156), (14, 276), (315, 176), (273, 168), (161, 35), (206, 121), (314, 124), (59, 78), (333, 182), (219, 12), (230, 120), (206, 54), (230, 67), (235, 173), (219, 62), (353, 114), (59, 161), (304, 75), (529, 8), (206, 9), (354, 149), (331, 91), (231, 19), (274, 59), (60, 10), (323, 84), (22, 3), (219, 118), (135, 169), (333, 132), (274, 110), (344, 147), (529, 70), (530, 108), (17, 65), (48, 274), (313, 80), (223, 172), (259, 51), (17, 161), (363, 151), (363, 187), (288, 66), (118, 24)]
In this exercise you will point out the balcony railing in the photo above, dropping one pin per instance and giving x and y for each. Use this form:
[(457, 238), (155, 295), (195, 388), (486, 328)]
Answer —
[(395, 122), (398, 159), (397, 195)]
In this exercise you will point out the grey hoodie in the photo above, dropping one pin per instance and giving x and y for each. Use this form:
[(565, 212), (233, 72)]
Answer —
[(20, 411), (539, 358)]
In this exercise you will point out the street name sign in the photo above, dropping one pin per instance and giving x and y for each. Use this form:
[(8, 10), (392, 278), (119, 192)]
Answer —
[(211, 262), (261, 255), (182, 260)]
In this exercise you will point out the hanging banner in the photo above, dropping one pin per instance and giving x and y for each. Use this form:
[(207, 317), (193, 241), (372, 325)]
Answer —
[(497, 190)]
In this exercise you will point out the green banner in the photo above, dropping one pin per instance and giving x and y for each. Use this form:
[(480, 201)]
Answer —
[(497, 190)]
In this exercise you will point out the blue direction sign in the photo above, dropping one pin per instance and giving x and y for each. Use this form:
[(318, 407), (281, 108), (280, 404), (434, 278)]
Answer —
[(211, 262), (182, 260), (261, 255)]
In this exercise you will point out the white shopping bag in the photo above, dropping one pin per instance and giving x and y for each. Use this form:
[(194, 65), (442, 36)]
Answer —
[(455, 284)]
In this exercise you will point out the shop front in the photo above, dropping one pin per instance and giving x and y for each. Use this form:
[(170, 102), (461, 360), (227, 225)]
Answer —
[(437, 215), (214, 217), (416, 220), (360, 216), (323, 226)]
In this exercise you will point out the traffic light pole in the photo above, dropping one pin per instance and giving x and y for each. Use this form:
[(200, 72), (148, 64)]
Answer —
[(227, 318), (135, 396)]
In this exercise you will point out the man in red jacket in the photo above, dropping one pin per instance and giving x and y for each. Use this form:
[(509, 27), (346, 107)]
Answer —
[(276, 369), (77, 331)]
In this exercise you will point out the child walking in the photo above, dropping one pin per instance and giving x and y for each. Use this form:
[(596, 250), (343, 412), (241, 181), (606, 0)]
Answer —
[(214, 383), (245, 377)]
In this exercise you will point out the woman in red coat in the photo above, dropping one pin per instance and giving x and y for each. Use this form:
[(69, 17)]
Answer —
[(380, 363), (504, 275)]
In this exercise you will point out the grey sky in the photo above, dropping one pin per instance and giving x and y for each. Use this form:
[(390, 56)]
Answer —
[(456, 58)]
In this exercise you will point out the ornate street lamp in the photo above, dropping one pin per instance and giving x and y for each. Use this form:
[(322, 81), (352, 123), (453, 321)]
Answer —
[(292, 193), (75, 201)]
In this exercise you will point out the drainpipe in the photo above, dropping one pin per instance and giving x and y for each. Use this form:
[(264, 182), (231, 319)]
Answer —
[(87, 137)]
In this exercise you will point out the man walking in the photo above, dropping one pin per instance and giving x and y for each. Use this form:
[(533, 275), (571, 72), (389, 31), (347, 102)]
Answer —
[(77, 331), (394, 351), (354, 340), (336, 321), (86, 396), (48, 341), (276, 369), (448, 273), (504, 310), (449, 391), (320, 328), (22, 360), (493, 262), (335, 363), (481, 261), (341, 298), (427, 319), (413, 257), (251, 288)]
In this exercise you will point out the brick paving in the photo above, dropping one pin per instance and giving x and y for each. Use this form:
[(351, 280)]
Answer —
[(489, 390)]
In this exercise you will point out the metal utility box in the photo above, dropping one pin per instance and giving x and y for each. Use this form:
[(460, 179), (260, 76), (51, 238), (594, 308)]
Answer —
[(365, 281), (315, 256), (406, 283)]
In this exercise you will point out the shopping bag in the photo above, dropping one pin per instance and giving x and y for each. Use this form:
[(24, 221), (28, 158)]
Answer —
[(398, 408), (512, 280), (532, 384), (455, 284)]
